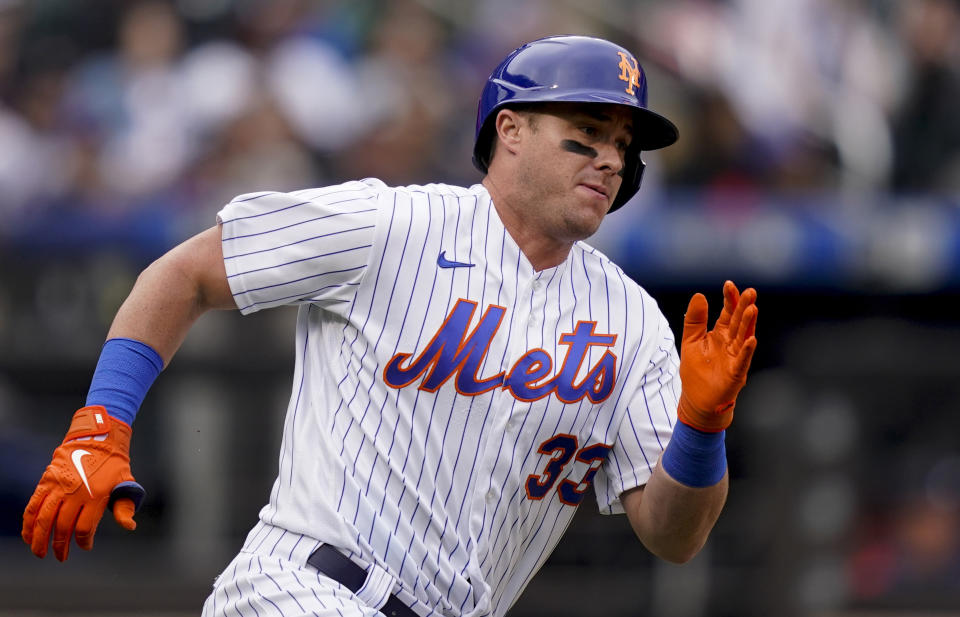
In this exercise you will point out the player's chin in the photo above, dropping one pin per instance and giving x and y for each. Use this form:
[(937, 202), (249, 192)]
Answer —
[(584, 222)]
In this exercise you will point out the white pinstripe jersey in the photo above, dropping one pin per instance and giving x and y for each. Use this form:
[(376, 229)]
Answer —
[(450, 404)]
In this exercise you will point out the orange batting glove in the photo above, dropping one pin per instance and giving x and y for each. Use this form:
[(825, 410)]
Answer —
[(90, 472), (714, 364)]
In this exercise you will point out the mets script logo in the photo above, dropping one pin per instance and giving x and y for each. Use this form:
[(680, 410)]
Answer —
[(629, 72), (454, 353)]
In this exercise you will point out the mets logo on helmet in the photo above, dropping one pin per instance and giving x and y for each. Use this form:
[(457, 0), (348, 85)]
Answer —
[(629, 72)]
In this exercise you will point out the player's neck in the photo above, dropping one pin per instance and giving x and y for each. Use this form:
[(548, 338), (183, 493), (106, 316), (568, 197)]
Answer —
[(540, 250)]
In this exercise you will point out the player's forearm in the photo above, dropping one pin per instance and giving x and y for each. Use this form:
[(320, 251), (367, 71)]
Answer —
[(159, 311), (673, 520), (172, 293)]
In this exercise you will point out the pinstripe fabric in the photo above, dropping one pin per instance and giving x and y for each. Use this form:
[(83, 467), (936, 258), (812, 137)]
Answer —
[(431, 484), (269, 578)]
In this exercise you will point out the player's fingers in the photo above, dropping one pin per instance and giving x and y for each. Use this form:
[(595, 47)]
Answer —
[(747, 299), (752, 324), (730, 298), (123, 511), (45, 521), (730, 333), (63, 528), (748, 323), (87, 525), (30, 514), (742, 364), (695, 320)]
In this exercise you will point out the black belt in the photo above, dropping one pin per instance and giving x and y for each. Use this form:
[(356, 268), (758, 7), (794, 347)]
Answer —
[(338, 566)]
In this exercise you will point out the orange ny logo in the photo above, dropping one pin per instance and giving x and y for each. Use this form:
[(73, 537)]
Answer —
[(629, 72)]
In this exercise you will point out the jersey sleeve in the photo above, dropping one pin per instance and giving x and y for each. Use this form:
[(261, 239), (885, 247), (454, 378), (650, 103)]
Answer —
[(646, 427), (308, 246)]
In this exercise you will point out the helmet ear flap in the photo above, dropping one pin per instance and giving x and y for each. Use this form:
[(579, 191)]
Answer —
[(483, 148), (632, 176)]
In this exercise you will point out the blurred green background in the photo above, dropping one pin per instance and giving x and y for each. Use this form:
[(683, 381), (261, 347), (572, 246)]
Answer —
[(819, 161)]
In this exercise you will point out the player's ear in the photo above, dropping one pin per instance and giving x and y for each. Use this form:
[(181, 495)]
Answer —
[(507, 127)]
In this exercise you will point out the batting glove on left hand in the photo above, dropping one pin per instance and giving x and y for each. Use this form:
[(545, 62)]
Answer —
[(714, 364), (90, 472)]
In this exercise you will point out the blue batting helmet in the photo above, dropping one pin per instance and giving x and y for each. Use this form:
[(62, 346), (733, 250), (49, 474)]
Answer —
[(579, 69)]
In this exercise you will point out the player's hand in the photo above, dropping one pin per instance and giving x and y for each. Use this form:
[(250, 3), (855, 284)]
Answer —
[(90, 472), (714, 364)]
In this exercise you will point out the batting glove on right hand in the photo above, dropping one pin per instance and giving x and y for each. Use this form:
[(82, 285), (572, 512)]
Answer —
[(714, 364), (90, 472)]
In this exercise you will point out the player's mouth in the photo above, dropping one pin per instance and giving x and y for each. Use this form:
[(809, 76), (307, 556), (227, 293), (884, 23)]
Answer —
[(597, 191)]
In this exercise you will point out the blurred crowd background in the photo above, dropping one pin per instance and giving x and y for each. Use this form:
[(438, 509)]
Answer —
[(819, 160)]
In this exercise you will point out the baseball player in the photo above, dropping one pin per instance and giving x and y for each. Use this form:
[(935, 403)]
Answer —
[(466, 366)]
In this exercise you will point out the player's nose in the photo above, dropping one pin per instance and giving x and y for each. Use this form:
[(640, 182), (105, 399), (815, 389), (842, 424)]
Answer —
[(609, 157)]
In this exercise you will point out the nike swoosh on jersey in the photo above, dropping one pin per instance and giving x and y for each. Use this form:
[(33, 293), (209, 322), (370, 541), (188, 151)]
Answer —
[(76, 458), (443, 262)]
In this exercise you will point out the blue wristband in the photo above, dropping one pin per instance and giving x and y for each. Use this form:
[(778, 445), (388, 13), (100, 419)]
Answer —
[(695, 458), (125, 371)]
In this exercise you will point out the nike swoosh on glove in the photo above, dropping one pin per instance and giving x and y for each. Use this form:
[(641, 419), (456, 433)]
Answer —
[(90, 472)]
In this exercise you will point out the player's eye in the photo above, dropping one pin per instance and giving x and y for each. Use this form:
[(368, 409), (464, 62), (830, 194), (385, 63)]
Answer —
[(589, 131)]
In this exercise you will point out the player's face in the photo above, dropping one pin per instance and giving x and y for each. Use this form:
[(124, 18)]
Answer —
[(573, 163)]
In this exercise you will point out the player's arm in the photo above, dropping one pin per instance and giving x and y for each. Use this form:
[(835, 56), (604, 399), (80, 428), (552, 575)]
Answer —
[(676, 510), (90, 470), (671, 519), (173, 292)]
